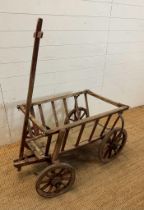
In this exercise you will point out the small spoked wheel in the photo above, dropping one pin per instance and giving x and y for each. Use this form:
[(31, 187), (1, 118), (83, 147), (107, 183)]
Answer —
[(76, 114), (112, 144), (55, 180)]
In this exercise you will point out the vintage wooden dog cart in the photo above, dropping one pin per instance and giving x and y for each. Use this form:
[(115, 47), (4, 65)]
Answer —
[(37, 136)]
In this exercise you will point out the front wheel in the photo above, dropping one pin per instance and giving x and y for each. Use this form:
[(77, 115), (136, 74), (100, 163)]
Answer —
[(56, 179)]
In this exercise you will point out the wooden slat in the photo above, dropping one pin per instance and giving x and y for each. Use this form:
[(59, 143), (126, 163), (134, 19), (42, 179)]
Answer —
[(86, 102), (32, 111), (80, 134), (93, 130), (29, 160), (35, 149), (58, 144), (54, 112), (36, 130), (41, 115), (115, 122), (65, 140), (106, 124), (106, 99), (22, 108), (49, 99), (48, 144), (65, 106), (30, 130)]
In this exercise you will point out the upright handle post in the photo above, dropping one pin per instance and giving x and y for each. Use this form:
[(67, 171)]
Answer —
[(37, 36)]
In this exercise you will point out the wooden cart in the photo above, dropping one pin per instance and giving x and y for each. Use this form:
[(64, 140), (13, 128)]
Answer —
[(45, 143)]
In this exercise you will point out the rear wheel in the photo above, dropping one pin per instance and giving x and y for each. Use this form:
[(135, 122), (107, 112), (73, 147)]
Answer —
[(76, 114), (112, 144)]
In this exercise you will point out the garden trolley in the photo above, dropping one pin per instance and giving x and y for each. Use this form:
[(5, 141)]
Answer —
[(41, 143)]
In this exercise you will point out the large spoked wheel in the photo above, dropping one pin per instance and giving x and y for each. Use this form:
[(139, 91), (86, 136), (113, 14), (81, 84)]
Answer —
[(112, 144), (76, 114), (55, 180)]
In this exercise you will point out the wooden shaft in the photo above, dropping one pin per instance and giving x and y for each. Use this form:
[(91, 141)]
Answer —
[(38, 35)]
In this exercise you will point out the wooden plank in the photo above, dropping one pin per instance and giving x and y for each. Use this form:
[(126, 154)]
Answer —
[(35, 149), (106, 99), (28, 160), (22, 108), (54, 113), (106, 124), (80, 134), (36, 129), (41, 115), (65, 140), (48, 144), (93, 130), (115, 122), (49, 99), (58, 144), (86, 102), (65, 107), (30, 130)]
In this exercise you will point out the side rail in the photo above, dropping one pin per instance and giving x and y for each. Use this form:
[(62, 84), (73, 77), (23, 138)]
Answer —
[(63, 134)]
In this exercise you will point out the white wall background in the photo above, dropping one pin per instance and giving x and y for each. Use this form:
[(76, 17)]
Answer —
[(95, 44)]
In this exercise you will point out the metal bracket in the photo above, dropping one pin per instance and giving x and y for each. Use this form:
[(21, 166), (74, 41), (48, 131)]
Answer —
[(38, 34)]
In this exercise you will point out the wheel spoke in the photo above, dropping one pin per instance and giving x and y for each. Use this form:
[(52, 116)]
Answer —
[(44, 181), (106, 152), (50, 174), (77, 117), (114, 136), (82, 115), (45, 186), (110, 153), (50, 188), (66, 177), (71, 119)]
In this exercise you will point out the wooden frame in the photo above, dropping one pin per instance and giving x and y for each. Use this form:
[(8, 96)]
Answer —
[(33, 130)]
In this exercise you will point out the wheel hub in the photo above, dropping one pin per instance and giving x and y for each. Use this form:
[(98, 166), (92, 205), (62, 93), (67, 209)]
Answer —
[(56, 180), (114, 146)]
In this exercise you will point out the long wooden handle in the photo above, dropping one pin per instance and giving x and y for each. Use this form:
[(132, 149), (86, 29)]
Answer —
[(37, 35)]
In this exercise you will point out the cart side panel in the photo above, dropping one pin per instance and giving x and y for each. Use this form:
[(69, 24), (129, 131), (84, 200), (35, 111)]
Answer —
[(55, 113), (90, 131)]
